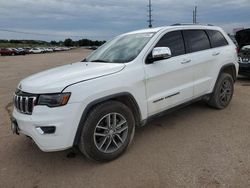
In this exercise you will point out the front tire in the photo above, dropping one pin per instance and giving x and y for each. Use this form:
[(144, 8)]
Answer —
[(223, 92), (107, 131)]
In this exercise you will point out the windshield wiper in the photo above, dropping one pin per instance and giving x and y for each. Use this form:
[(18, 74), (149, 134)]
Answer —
[(99, 60)]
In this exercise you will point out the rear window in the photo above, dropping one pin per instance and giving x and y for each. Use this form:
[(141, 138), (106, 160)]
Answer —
[(197, 40), (216, 38)]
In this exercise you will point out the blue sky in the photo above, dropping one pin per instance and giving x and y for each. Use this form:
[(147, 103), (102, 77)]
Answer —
[(104, 19)]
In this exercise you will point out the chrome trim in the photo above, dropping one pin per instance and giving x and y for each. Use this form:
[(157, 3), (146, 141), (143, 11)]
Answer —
[(24, 103), (21, 104), (18, 102)]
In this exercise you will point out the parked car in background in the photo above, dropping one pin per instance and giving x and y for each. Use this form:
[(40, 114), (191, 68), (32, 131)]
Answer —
[(48, 49), (93, 47), (27, 49), (22, 51), (35, 51), (243, 39), (6, 51), (96, 104), (66, 48), (43, 49), (18, 51), (58, 49)]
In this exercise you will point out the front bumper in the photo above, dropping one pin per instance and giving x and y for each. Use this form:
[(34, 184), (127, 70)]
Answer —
[(65, 119), (244, 69)]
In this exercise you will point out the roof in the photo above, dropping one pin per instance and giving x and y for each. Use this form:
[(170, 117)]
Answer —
[(180, 26)]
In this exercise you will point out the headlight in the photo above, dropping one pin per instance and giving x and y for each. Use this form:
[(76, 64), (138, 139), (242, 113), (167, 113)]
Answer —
[(54, 100)]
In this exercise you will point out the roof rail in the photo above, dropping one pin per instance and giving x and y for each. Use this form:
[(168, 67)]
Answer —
[(179, 24), (176, 24)]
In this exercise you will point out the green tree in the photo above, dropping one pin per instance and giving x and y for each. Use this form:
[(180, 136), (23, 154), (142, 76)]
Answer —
[(68, 42), (53, 42)]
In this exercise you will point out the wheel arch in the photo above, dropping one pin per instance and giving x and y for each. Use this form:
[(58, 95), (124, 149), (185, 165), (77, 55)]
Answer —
[(124, 97), (230, 69)]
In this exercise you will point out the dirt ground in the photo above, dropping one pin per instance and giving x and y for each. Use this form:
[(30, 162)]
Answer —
[(193, 147)]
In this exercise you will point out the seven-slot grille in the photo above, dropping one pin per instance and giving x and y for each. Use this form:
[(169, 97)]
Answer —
[(24, 103)]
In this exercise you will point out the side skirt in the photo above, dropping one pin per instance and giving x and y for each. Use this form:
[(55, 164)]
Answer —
[(171, 110)]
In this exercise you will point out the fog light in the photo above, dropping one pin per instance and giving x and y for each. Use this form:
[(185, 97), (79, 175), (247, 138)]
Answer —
[(46, 130)]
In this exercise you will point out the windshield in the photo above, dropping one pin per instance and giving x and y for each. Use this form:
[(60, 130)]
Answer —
[(121, 49)]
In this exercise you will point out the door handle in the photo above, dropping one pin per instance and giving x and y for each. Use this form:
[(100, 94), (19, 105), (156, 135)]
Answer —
[(216, 53), (185, 61)]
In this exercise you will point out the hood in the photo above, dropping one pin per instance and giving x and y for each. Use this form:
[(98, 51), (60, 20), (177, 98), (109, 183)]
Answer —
[(243, 37), (56, 79), (247, 48)]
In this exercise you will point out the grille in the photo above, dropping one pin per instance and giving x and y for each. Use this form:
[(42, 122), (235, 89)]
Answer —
[(24, 103)]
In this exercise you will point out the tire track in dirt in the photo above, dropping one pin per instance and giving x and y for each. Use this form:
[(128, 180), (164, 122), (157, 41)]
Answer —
[(8, 108)]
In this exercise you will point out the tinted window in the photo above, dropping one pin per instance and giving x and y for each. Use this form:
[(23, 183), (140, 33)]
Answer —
[(216, 38), (197, 40), (174, 41)]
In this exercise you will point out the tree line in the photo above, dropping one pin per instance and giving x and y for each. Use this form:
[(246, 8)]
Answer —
[(82, 42), (67, 42)]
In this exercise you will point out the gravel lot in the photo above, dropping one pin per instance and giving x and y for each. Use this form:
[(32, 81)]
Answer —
[(193, 147)]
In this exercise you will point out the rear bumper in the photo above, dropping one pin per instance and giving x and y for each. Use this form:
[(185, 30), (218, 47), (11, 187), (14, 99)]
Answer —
[(65, 119)]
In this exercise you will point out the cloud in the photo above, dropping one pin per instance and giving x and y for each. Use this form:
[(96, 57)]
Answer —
[(105, 19)]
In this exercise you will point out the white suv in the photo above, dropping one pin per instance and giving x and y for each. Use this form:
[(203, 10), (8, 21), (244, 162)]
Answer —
[(96, 104)]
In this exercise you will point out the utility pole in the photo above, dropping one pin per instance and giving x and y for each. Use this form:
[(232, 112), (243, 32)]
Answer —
[(195, 15), (150, 14)]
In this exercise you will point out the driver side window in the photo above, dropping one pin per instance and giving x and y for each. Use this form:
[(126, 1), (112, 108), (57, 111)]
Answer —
[(173, 40)]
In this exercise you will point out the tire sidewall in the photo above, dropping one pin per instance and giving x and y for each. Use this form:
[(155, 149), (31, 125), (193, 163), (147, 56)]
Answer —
[(87, 144), (222, 78)]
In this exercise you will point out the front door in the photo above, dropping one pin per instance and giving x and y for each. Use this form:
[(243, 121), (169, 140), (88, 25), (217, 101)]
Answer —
[(169, 82)]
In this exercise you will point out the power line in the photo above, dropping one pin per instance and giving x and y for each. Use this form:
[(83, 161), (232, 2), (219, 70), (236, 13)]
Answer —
[(150, 14)]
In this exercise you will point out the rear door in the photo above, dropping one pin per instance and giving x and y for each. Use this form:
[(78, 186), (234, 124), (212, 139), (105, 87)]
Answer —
[(169, 82), (203, 58)]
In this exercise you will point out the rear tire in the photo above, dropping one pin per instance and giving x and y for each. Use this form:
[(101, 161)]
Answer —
[(223, 92), (107, 131)]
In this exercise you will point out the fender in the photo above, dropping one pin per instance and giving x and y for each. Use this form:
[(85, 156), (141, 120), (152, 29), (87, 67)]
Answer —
[(229, 65)]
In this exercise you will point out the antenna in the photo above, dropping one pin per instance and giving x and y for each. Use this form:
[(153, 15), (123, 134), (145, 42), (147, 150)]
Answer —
[(150, 14)]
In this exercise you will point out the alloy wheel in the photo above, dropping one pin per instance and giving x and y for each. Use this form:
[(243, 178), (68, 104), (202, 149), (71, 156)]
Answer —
[(225, 92), (110, 133)]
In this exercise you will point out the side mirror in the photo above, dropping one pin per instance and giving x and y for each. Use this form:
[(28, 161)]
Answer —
[(160, 53)]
